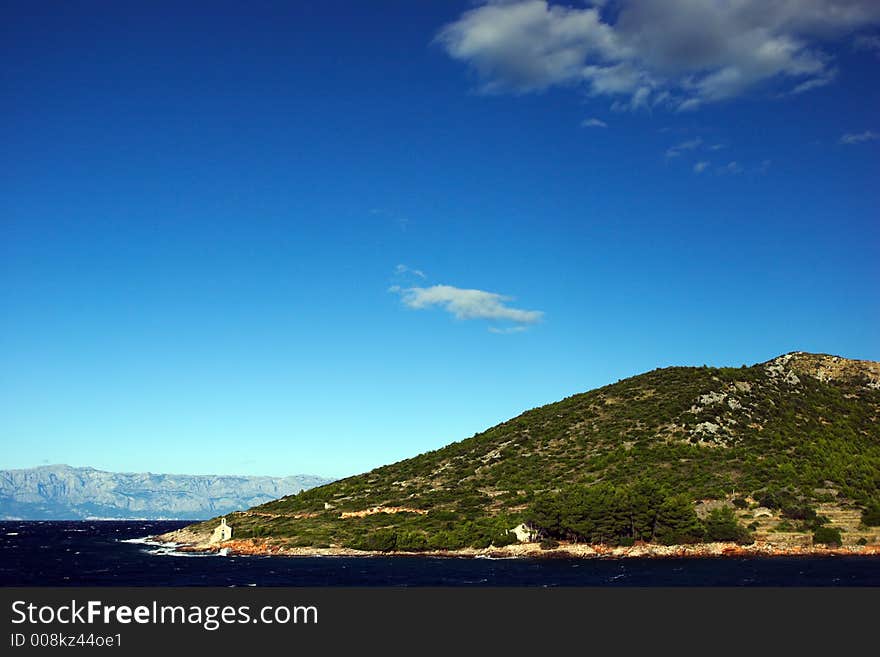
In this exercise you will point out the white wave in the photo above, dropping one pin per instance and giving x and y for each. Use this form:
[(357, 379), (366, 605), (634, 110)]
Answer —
[(12, 533), (147, 540), (492, 558), (167, 548), (171, 552)]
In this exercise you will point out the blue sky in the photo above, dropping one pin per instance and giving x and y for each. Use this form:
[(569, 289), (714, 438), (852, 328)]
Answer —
[(272, 240)]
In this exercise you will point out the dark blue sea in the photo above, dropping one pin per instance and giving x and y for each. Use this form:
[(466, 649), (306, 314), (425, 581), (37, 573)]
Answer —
[(111, 553)]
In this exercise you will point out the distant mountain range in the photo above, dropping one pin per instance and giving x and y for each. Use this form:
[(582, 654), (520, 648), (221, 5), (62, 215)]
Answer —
[(62, 492)]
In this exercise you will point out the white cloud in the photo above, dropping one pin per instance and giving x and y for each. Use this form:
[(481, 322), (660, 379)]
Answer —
[(815, 83), (401, 270), (859, 137), (593, 123), (697, 148), (677, 53), (527, 46), (867, 42), (689, 145), (689, 104), (507, 330), (466, 304)]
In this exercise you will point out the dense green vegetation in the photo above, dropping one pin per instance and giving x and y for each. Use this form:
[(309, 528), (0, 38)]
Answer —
[(871, 514), (622, 463), (612, 515), (722, 525), (827, 536)]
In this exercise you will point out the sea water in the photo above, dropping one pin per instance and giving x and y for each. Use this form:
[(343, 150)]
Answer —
[(118, 553)]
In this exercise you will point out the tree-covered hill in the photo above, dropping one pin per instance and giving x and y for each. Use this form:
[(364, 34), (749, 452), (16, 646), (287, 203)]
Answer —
[(795, 432)]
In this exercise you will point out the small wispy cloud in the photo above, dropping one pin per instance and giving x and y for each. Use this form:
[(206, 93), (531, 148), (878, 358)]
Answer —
[(695, 150), (814, 83), (507, 330), (466, 304), (402, 270), (859, 137), (867, 42), (688, 145), (593, 123), (689, 105), (397, 219)]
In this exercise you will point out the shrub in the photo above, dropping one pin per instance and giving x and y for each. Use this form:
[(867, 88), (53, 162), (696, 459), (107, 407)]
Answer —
[(798, 512), (776, 499), (722, 525), (500, 539), (828, 536), (380, 540), (412, 542), (871, 514), (549, 544)]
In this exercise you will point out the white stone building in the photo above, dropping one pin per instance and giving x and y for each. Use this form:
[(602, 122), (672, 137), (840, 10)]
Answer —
[(222, 532)]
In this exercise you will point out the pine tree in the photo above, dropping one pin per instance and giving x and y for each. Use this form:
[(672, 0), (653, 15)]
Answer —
[(677, 522)]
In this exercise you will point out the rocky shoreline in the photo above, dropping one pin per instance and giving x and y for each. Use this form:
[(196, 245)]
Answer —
[(263, 547)]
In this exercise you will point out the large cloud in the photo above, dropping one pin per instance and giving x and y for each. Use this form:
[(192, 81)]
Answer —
[(679, 53)]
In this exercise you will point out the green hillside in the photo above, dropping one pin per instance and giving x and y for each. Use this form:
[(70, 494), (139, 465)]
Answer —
[(624, 462)]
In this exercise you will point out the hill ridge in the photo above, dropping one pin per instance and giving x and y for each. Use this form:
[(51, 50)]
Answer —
[(64, 492), (781, 430)]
